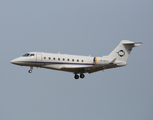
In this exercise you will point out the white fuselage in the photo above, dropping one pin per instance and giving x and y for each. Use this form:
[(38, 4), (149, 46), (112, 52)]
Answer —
[(78, 64), (59, 61)]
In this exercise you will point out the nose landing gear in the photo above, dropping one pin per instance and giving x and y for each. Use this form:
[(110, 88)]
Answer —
[(30, 71)]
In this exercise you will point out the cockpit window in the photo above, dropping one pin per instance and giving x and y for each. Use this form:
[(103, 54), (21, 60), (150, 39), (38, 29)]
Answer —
[(26, 55), (32, 54)]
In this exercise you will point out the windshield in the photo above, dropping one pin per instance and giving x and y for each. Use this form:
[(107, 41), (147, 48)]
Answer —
[(32, 54), (26, 55)]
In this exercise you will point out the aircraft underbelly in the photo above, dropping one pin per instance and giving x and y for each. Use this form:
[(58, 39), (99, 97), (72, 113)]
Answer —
[(67, 68)]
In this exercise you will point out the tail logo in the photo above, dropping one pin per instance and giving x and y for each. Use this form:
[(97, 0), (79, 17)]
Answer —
[(121, 53)]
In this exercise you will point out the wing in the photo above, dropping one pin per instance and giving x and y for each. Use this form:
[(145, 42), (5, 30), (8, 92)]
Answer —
[(85, 69)]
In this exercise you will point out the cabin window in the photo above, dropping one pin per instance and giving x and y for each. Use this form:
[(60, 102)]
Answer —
[(49, 58), (77, 60), (68, 59), (58, 58), (44, 57), (73, 60), (82, 61), (63, 59), (53, 58)]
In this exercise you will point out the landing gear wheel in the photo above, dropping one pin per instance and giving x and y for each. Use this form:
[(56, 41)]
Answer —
[(30, 71), (76, 76), (82, 75)]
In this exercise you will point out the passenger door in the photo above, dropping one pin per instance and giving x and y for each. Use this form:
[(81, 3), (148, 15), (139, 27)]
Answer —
[(39, 60)]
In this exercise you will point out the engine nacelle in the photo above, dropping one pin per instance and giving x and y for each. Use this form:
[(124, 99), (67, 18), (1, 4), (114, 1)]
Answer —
[(100, 61)]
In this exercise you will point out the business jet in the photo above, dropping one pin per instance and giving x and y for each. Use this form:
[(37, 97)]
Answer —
[(78, 64)]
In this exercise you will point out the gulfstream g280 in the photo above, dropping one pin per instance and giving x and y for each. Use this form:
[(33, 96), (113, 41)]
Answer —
[(78, 64)]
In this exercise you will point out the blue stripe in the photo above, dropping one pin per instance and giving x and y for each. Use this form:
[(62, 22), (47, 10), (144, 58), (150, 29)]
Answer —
[(59, 63)]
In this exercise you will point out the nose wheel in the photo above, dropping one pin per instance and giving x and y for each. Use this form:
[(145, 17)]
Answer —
[(30, 71)]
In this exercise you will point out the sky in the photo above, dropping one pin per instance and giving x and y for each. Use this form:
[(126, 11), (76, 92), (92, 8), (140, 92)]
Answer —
[(82, 27)]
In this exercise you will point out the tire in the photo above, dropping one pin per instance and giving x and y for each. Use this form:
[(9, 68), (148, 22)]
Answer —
[(30, 71), (76, 76), (82, 75)]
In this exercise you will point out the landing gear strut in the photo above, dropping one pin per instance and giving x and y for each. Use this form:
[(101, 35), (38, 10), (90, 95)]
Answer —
[(30, 71)]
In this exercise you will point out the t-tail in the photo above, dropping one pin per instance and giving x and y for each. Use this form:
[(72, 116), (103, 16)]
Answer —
[(123, 50)]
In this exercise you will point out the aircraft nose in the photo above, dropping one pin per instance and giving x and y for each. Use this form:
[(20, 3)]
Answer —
[(18, 61), (14, 61)]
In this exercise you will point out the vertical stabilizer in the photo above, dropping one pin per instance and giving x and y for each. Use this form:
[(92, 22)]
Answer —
[(123, 50)]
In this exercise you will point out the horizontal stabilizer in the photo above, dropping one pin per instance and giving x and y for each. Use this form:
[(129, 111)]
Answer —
[(136, 44)]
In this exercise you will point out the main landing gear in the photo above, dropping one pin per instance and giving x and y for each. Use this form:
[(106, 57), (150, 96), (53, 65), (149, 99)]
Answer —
[(77, 76), (30, 71)]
